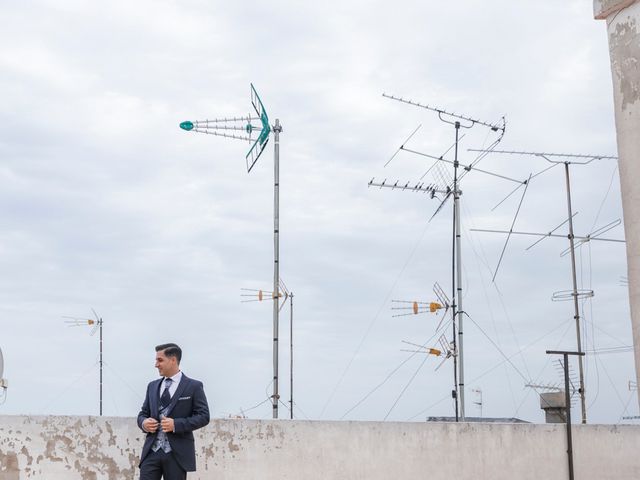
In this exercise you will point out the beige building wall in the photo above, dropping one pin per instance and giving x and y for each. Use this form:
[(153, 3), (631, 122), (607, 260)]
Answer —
[(623, 27), (94, 448)]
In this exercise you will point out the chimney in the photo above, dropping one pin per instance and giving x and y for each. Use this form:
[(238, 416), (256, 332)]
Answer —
[(553, 405)]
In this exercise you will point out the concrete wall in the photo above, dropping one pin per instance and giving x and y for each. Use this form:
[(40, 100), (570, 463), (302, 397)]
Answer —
[(623, 29), (92, 448)]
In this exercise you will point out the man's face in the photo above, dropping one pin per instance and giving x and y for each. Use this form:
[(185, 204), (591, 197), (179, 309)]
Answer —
[(167, 366)]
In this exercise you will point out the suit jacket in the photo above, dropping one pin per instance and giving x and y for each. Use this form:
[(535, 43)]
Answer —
[(189, 410)]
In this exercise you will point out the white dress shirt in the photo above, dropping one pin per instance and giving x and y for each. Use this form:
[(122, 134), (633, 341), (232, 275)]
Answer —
[(174, 384)]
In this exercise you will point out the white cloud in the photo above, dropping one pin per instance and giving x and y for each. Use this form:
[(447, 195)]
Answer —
[(105, 203)]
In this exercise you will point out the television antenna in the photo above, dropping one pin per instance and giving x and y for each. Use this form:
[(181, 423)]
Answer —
[(96, 325), (413, 307), (444, 348), (574, 294), (4, 384), (550, 387), (242, 128), (257, 295), (443, 190)]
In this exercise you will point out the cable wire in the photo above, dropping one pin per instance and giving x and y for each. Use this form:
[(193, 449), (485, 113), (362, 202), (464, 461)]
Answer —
[(486, 372), (71, 384), (390, 374), (375, 318), (135, 392), (406, 386)]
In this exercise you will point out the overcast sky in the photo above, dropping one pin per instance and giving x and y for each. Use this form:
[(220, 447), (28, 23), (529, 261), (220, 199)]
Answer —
[(105, 203)]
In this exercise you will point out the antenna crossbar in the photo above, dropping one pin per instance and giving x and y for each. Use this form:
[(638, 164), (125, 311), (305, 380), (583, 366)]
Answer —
[(248, 118), (547, 154), (586, 239), (493, 126), (418, 187), (466, 167)]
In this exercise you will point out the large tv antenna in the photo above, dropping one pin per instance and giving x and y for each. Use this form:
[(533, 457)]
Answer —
[(258, 295), (574, 294), (3, 381), (96, 325), (242, 128), (443, 191)]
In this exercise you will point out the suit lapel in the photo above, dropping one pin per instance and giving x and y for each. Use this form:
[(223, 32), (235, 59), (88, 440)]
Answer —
[(155, 398), (184, 381)]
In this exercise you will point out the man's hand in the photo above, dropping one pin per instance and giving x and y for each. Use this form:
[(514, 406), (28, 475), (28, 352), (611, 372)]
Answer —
[(167, 424), (150, 425)]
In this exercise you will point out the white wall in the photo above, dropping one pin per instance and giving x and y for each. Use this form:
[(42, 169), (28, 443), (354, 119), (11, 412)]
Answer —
[(623, 29), (92, 448)]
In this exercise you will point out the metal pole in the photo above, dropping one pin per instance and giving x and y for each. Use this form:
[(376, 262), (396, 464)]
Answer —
[(567, 403), (291, 353), (458, 292), (453, 276), (567, 409), (100, 322), (576, 308), (276, 253)]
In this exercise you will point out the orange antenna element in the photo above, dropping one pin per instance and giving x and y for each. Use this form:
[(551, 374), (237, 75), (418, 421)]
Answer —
[(411, 307), (434, 307), (422, 349)]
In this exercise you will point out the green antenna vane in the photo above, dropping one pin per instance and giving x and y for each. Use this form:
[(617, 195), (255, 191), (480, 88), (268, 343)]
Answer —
[(240, 128)]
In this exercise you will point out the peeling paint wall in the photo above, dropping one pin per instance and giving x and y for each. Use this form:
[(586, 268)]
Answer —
[(95, 448), (603, 8), (623, 27)]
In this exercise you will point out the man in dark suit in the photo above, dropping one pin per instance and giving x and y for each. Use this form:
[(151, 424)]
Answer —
[(173, 408)]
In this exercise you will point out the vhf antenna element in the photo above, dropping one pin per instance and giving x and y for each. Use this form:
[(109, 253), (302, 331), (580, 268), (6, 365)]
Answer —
[(257, 295), (96, 324), (566, 159), (242, 128), (443, 191)]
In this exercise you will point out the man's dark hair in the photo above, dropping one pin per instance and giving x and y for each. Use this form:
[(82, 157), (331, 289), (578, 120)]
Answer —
[(170, 350)]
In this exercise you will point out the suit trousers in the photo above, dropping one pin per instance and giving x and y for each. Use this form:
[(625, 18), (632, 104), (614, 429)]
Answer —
[(157, 465)]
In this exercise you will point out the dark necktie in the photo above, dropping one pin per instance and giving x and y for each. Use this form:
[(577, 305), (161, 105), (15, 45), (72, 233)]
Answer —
[(165, 398)]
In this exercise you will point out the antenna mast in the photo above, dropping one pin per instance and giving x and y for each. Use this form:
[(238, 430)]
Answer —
[(578, 159), (457, 121), (97, 325), (221, 127)]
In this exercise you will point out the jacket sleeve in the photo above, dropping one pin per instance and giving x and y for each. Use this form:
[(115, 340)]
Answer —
[(199, 414), (144, 410)]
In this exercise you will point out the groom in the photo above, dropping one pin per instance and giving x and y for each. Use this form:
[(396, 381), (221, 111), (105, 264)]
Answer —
[(173, 408)]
